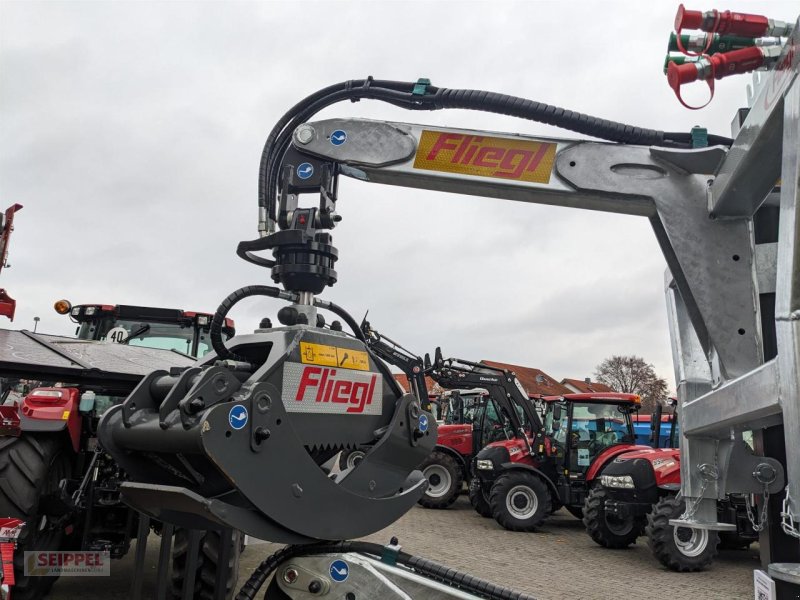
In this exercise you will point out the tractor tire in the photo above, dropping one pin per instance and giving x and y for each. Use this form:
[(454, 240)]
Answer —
[(520, 501), (444, 480), (679, 548), (350, 458), (206, 574), (478, 499), (31, 467), (607, 530)]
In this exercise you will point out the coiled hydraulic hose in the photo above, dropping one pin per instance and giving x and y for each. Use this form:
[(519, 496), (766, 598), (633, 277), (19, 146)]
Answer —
[(215, 331), (423, 96), (422, 566)]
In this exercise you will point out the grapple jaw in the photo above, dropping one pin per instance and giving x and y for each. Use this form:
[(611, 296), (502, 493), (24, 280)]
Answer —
[(219, 445)]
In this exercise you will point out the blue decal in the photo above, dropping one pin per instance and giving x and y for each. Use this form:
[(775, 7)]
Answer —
[(237, 417), (423, 423), (339, 570), (338, 137), (305, 170)]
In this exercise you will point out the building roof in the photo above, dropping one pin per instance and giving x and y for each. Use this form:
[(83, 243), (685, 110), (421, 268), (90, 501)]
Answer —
[(402, 379), (535, 381), (587, 387)]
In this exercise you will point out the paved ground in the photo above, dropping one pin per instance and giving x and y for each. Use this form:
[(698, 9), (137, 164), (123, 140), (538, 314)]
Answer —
[(559, 563)]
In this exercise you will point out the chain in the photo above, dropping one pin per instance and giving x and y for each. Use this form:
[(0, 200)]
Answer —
[(787, 521), (708, 473), (762, 518), (692, 504)]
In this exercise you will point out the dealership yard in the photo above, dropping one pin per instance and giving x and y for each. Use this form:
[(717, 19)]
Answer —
[(560, 562)]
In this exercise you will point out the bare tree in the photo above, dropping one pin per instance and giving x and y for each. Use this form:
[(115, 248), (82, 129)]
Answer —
[(632, 375)]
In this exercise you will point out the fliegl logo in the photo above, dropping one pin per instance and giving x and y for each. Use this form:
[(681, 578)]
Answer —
[(313, 389), (485, 156)]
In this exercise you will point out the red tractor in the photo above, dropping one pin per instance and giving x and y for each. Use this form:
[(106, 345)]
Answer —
[(54, 477), (521, 480), (638, 495), (486, 404), (471, 420)]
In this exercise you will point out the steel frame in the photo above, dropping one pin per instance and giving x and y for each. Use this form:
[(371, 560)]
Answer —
[(701, 204)]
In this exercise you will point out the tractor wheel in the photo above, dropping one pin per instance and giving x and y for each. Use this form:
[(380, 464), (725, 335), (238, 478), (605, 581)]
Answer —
[(444, 480), (679, 548), (520, 501), (31, 468), (350, 458), (206, 575), (478, 499), (608, 530)]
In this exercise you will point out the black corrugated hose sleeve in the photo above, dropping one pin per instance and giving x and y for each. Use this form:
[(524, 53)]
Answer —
[(215, 332), (435, 571), (551, 115)]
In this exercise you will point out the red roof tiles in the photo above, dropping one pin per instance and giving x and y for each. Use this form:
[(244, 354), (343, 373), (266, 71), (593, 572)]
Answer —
[(535, 381)]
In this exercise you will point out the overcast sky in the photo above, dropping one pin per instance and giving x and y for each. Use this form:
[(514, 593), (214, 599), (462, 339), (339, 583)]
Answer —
[(132, 132)]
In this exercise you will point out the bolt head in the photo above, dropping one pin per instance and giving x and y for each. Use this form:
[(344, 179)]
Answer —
[(304, 134), (290, 575)]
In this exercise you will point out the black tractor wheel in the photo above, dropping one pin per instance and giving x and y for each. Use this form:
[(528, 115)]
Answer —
[(520, 501), (207, 563), (350, 458), (444, 480), (681, 549), (610, 531), (31, 468), (478, 499)]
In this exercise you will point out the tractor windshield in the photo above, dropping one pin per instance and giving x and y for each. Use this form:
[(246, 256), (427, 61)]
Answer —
[(595, 427), (187, 337), (167, 336)]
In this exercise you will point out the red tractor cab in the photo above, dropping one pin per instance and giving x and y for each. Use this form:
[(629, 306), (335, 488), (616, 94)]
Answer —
[(520, 482), (167, 328)]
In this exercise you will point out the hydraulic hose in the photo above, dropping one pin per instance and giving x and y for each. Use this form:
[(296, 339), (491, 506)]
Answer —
[(423, 96), (215, 331), (422, 566), (338, 310)]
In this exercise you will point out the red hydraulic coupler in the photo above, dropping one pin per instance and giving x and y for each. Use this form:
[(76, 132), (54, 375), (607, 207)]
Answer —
[(730, 23), (708, 68)]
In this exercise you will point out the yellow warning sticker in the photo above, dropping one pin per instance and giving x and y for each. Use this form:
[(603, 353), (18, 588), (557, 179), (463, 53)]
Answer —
[(485, 156), (65, 415), (331, 356)]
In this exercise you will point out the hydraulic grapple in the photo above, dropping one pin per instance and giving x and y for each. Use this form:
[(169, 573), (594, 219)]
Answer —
[(245, 438)]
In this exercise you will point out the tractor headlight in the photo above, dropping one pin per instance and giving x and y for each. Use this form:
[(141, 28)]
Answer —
[(617, 481), (484, 465)]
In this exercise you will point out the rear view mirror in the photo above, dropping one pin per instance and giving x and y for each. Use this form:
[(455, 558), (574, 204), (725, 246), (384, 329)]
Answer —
[(437, 357), (557, 413)]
